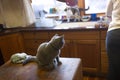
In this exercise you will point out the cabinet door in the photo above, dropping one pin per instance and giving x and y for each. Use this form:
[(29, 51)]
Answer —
[(10, 44), (33, 39), (84, 45), (67, 50), (31, 45), (104, 62), (104, 57), (88, 51), (1, 58)]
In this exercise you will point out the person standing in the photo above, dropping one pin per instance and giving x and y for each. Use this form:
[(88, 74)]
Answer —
[(113, 40)]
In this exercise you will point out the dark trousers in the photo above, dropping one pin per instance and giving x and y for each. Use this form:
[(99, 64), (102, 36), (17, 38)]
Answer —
[(113, 52)]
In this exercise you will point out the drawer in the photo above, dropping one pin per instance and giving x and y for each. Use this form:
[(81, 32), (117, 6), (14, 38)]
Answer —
[(4, 37), (35, 35), (33, 43), (77, 34)]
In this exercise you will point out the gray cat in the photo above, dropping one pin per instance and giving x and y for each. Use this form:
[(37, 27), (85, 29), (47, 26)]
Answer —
[(48, 53), (76, 12)]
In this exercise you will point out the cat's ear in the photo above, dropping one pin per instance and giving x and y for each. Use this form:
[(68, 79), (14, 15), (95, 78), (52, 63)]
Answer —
[(56, 35), (62, 35)]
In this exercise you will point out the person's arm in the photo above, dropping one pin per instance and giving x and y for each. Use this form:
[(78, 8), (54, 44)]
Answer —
[(109, 9)]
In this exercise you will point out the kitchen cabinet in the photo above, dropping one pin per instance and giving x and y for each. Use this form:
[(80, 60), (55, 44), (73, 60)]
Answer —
[(104, 58), (89, 45), (84, 45), (78, 44), (88, 51), (33, 39), (1, 58), (11, 44)]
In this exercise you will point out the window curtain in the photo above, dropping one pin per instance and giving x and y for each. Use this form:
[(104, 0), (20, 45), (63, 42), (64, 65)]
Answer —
[(16, 13), (39, 5)]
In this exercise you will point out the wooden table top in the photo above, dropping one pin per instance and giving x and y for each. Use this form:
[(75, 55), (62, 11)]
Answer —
[(66, 71)]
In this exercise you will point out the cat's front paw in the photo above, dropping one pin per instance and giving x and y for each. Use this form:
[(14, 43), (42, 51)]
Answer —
[(59, 63), (49, 67)]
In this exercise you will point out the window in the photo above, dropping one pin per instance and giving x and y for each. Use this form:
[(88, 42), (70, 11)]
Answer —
[(96, 6), (39, 5)]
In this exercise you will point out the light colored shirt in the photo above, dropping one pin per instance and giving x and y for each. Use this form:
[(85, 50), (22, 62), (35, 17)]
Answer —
[(113, 10)]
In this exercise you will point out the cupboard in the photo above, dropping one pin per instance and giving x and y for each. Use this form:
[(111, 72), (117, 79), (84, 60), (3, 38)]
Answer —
[(78, 44), (89, 45), (11, 44), (33, 39), (84, 45)]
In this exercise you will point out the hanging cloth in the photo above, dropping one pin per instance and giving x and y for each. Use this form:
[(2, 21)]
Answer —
[(17, 13)]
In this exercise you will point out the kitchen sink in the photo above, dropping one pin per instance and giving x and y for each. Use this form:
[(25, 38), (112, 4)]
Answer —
[(90, 24)]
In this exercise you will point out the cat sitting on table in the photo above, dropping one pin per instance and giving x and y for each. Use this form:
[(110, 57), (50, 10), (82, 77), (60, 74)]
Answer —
[(48, 53)]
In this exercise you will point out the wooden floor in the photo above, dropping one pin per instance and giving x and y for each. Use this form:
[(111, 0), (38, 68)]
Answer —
[(93, 78)]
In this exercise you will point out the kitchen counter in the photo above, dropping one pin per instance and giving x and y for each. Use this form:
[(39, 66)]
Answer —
[(76, 26)]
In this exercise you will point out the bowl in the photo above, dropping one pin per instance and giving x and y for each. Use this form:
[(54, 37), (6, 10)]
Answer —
[(85, 18)]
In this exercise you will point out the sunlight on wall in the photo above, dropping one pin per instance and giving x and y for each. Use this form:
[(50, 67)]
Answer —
[(96, 6), (39, 5)]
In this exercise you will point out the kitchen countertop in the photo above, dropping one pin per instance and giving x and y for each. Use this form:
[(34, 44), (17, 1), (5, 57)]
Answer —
[(63, 27)]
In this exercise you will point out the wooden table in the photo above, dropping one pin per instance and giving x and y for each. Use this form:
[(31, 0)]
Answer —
[(70, 69)]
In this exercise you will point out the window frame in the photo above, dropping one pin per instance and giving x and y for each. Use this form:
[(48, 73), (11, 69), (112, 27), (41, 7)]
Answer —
[(81, 4)]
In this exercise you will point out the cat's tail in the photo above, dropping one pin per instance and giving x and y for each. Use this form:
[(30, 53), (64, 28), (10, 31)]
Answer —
[(30, 59)]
